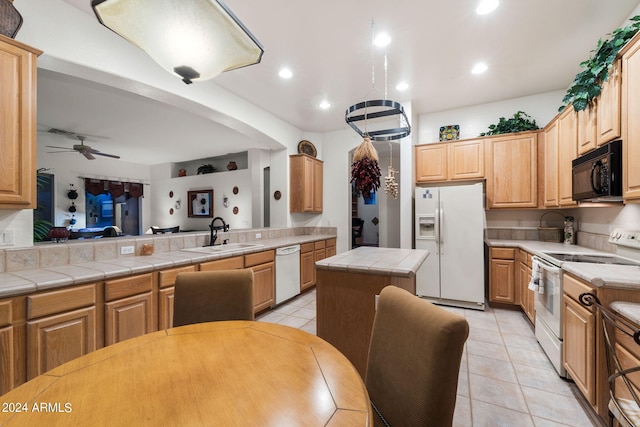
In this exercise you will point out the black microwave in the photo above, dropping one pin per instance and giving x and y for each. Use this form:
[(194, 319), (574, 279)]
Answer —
[(597, 175)]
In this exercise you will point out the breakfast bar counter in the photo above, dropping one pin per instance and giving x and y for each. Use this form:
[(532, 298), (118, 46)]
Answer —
[(346, 288)]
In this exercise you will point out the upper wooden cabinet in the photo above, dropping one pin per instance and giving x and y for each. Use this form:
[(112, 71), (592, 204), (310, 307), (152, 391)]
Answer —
[(567, 151), (587, 129), (460, 160), (512, 171), (608, 111), (17, 124), (630, 123), (550, 164), (305, 184)]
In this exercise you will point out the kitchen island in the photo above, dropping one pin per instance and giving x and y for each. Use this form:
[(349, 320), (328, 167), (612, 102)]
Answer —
[(346, 288)]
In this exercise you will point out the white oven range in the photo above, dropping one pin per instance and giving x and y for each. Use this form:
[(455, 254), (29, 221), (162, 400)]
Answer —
[(548, 302)]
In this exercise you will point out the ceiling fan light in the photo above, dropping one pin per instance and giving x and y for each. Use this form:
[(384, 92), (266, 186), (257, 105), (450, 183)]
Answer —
[(196, 39)]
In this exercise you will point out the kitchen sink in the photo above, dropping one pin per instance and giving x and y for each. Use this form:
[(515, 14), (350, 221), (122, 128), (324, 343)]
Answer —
[(223, 248)]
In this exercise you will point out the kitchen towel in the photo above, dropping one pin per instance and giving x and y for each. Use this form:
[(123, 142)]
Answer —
[(536, 277)]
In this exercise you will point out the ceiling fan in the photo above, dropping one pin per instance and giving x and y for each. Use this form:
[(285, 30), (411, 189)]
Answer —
[(81, 148)]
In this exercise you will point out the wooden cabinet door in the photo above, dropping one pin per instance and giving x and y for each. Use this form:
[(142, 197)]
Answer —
[(307, 270), (550, 135), (263, 286), (7, 360), (579, 347), (17, 125), (467, 159), (317, 186), (608, 112), (587, 129), (567, 151), (432, 161), (630, 123), (502, 281), (512, 182), (165, 308), (54, 340), (128, 317), (166, 283)]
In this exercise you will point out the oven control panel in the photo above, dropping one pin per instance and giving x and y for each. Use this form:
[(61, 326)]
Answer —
[(630, 239)]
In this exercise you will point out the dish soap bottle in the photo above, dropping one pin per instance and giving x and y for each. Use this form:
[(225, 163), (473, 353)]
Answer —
[(569, 234)]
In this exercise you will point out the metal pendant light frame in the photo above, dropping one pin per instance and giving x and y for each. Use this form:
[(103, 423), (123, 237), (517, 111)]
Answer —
[(390, 108)]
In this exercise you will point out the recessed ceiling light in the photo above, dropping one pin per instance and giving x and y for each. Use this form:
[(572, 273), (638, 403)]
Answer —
[(285, 73), (382, 40), (324, 105), (402, 86), (479, 68), (487, 6)]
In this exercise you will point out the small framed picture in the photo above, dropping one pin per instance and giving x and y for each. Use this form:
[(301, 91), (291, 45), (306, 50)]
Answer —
[(200, 204)]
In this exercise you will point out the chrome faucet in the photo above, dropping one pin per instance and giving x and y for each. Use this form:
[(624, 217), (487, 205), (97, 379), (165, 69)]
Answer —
[(216, 228)]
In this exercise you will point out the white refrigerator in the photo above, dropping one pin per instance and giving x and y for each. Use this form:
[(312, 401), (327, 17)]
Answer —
[(450, 222)]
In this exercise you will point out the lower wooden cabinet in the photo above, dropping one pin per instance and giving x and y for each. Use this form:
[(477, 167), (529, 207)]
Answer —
[(129, 310), (524, 296), (7, 359), (330, 248), (263, 266), (502, 275), (166, 290), (579, 333), (61, 326), (307, 266)]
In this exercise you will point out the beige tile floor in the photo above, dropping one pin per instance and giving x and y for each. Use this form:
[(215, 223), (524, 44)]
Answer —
[(505, 378)]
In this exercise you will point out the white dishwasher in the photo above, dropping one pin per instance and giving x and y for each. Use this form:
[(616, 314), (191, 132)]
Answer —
[(287, 273)]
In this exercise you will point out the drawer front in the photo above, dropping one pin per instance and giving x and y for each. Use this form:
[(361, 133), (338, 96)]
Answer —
[(521, 256), (628, 343), (60, 301), (223, 264), (168, 277), (330, 243), (306, 247), (128, 286), (320, 244), (6, 313), (573, 287), (503, 253), (259, 258)]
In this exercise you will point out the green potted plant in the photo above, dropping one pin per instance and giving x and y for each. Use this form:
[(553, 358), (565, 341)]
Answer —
[(587, 84), (206, 168), (520, 122)]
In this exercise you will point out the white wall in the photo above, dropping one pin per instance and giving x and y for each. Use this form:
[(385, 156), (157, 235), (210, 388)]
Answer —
[(476, 119)]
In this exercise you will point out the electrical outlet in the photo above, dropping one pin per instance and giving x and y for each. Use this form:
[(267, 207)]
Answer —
[(258, 235), (126, 250), (7, 238)]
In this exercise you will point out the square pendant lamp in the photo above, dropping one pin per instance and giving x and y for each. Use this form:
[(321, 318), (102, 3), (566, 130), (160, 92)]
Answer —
[(195, 39)]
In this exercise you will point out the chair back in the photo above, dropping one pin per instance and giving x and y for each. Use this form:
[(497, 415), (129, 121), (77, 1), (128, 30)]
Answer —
[(158, 230), (414, 361), (208, 296)]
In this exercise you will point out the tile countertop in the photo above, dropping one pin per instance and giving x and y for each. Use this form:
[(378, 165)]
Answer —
[(376, 261), (600, 275), (38, 279), (630, 310)]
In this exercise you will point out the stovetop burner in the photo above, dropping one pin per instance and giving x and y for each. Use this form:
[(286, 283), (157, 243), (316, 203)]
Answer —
[(593, 259)]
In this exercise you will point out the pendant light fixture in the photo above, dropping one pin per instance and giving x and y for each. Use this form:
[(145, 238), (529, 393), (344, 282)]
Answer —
[(379, 117), (195, 39)]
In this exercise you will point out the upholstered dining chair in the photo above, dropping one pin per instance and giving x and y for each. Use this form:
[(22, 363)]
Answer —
[(414, 361), (207, 296)]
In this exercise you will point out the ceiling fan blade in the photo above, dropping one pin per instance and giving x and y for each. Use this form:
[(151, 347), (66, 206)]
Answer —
[(65, 151), (63, 148), (87, 155), (105, 154)]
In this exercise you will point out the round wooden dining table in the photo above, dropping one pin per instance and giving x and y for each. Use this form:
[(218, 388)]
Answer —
[(235, 373)]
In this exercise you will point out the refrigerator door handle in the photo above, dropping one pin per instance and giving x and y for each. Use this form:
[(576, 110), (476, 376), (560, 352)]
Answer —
[(441, 227), (437, 229)]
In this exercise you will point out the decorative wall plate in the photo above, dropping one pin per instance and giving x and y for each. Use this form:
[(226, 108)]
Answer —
[(449, 133), (306, 147), (277, 194)]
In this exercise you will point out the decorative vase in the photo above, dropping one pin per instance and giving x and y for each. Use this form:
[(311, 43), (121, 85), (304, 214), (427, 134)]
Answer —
[(182, 172), (59, 234), (232, 166)]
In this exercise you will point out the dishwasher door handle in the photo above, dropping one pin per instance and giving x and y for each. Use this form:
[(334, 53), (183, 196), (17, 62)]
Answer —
[(287, 250)]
